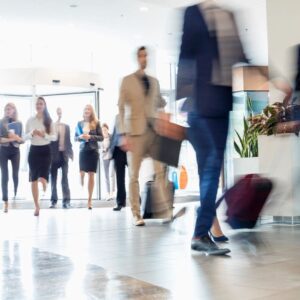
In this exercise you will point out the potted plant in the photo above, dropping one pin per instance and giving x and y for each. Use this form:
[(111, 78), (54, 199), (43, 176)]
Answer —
[(246, 147)]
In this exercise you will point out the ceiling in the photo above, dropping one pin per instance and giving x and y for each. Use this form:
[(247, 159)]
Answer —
[(131, 22)]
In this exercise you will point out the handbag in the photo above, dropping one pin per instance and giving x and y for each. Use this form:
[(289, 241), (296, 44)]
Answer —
[(164, 127), (169, 137), (288, 127)]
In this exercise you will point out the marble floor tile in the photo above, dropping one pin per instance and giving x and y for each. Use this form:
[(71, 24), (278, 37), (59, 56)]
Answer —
[(101, 255)]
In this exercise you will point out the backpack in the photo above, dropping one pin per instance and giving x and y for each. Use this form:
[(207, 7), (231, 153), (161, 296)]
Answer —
[(245, 200)]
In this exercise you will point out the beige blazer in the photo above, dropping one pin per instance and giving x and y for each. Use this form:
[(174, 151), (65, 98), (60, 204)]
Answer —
[(137, 110)]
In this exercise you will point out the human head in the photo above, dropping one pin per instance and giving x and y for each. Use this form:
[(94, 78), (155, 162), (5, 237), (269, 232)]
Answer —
[(10, 111), (89, 115), (59, 112), (142, 57), (41, 108), (105, 130)]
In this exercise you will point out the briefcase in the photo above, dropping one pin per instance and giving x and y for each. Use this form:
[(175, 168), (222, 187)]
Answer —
[(168, 140)]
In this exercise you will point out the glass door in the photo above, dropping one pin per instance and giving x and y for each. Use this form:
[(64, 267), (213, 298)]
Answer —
[(72, 105)]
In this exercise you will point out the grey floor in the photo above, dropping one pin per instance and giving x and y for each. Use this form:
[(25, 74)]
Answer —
[(103, 248)]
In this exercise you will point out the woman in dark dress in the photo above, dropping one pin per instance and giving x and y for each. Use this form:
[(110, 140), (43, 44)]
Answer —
[(89, 133), (40, 131), (10, 140)]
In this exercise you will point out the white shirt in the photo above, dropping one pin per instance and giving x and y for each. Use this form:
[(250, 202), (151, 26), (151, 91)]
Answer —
[(61, 133), (36, 123)]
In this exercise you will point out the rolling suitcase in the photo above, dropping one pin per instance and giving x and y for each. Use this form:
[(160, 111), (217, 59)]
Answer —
[(245, 201)]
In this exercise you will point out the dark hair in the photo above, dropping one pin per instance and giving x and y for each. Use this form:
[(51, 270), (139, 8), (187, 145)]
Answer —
[(105, 125), (46, 115), (142, 48)]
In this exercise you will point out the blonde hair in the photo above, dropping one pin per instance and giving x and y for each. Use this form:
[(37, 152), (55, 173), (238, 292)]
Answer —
[(13, 106), (93, 118)]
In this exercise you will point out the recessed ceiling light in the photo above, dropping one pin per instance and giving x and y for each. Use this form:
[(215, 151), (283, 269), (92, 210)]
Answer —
[(73, 5), (144, 8)]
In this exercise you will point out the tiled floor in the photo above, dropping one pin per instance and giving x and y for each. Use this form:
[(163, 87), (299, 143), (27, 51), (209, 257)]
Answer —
[(101, 250)]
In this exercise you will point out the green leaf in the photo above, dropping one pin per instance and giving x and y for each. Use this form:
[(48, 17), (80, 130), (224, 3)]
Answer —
[(237, 149)]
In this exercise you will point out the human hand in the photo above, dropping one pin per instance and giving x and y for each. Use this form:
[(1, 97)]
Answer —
[(35, 132), (126, 144), (85, 137)]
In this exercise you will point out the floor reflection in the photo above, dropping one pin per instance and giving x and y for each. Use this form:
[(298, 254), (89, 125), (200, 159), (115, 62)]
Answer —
[(28, 273)]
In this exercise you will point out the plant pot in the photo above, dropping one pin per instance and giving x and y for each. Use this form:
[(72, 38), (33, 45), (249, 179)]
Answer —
[(244, 166)]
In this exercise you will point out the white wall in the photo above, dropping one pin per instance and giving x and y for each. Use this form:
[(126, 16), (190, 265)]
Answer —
[(283, 33)]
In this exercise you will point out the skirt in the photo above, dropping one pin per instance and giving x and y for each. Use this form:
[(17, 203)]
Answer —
[(39, 160), (88, 160)]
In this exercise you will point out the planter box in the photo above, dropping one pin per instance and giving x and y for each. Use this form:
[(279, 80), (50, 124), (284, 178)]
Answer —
[(279, 160), (244, 166)]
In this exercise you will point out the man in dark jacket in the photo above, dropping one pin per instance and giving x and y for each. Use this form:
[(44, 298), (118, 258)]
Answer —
[(61, 152), (120, 158), (210, 47)]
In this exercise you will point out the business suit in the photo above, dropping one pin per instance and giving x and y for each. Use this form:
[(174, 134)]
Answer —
[(120, 161), (143, 105), (205, 56), (60, 159)]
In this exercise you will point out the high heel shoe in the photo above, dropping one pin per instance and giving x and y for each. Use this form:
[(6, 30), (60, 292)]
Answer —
[(5, 209), (219, 239), (90, 206)]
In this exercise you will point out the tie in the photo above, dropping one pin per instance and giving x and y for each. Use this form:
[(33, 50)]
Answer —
[(146, 84)]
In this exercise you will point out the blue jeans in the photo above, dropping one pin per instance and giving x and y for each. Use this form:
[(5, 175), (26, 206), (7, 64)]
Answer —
[(208, 137)]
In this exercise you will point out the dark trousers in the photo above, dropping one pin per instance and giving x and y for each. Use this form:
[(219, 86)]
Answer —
[(13, 154), (120, 159), (60, 162), (208, 137)]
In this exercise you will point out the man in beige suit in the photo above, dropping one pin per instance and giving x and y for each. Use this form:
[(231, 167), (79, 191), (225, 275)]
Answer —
[(139, 102)]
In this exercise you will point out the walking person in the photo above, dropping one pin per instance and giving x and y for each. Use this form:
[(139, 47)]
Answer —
[(139, 102), (210, 47), (61, 151), (10, 139), (120, 162), (108, 163), (89, 133), (41, 132)]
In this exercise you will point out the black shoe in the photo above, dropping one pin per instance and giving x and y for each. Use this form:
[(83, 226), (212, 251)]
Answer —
[(53, 205), (118, 208), (219, 239), (206, 245), (65, 206)]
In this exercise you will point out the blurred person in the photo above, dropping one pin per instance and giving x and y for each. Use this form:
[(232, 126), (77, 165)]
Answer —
[(41, 132), (210, 47), (89, 133), (108, 163), (140, 100), (61, 152), (295, 99), (10, 139), (120, 162)]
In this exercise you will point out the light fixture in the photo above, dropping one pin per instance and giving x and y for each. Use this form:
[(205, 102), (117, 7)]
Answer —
[(144, 8), (73, 5)]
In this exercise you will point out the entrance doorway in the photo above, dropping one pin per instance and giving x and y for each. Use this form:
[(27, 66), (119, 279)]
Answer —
[(72, 104)]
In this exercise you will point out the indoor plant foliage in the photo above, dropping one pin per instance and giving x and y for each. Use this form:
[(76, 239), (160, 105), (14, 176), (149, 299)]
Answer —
[(255, 125), (247, 144)]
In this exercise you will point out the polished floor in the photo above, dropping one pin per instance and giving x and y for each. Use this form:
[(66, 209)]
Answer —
[(98, 254)]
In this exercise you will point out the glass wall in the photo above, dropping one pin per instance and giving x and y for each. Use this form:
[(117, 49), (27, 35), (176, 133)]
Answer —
[(72, 105)]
